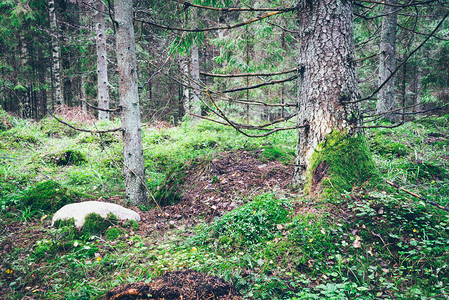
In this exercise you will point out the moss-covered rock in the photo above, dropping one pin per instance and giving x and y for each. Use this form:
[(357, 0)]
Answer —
[(48, 196), (338, 164), (66, 158)]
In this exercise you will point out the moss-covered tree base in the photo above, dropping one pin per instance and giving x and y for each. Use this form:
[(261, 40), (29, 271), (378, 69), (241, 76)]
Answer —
[(338, 164)]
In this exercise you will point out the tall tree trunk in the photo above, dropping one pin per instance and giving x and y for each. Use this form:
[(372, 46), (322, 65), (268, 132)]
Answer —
[(129, 101), (195, 102), (186, 90), (56, 53), (102, 64), (327, 79), (387, 64)]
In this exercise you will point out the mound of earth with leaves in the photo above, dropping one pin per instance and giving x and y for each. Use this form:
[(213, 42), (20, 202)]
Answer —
[(187, 285), (211, 187)]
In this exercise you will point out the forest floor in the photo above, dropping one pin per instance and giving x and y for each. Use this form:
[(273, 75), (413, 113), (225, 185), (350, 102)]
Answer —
[(227, 225)]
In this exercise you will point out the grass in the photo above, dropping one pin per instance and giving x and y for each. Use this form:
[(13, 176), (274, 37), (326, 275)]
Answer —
[(367, 244)]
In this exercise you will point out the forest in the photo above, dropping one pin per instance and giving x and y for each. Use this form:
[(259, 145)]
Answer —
[(229, 149)]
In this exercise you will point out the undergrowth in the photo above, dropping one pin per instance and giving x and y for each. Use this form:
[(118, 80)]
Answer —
[(367, 244)]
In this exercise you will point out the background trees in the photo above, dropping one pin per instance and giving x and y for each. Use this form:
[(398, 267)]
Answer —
[(235, 61)]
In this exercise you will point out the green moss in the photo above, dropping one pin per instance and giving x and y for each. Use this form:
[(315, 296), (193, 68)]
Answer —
[(338, 164), (273, 152), (132, 224), (53, 128), (384, 146), (113, 233), (95, 224), (48, 196)]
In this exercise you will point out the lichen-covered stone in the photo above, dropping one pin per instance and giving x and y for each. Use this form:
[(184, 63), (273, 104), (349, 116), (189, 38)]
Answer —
[(79, 212)]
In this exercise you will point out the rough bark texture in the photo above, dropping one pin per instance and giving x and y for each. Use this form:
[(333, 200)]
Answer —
[(129, 101), (387, 64), (326, 77), (56, 54), (102, 65)]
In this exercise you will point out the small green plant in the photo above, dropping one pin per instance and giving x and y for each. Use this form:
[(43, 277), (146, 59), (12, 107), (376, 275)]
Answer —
[(248, 225)]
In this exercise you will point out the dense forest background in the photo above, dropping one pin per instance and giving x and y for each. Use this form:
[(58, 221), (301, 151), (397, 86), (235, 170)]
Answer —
[(51, 54)]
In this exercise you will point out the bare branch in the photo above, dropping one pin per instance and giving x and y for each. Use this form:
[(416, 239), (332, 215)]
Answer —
[(84, 130), (211, 28), (248, 74), (417, 196), (271, 82), (114, 110), (229, 9)]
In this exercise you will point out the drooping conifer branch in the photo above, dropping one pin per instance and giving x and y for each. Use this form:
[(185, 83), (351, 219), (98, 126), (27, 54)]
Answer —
[(210, 28), (229, 9)]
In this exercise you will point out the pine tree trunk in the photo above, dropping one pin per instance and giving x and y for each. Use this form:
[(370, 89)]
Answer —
[(56, 53), (102, 65), (387, 64), (327, 79), (129, 101)]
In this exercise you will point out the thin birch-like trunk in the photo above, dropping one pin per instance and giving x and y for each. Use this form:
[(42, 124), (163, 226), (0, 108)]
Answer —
[(102, 64), (195, 102), (56, 53)]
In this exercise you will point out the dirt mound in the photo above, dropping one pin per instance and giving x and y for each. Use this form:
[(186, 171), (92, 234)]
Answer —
[(212, 187), (186, 285)]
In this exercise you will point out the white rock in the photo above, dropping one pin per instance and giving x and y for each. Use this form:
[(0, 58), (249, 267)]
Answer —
[(79, 211)]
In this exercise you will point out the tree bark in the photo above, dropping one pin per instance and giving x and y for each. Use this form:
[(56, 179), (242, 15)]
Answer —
[(56, 53), (387, 64), (129, 101), (327, 78), (195, 102), (102, 64)]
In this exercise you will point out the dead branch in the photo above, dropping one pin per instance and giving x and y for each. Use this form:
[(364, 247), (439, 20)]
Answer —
[(114, 110), (381, 126), (84, 130), (417, 196), (210, 28), (248, 74), (271, 82), (262, 103), (228, 9)]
